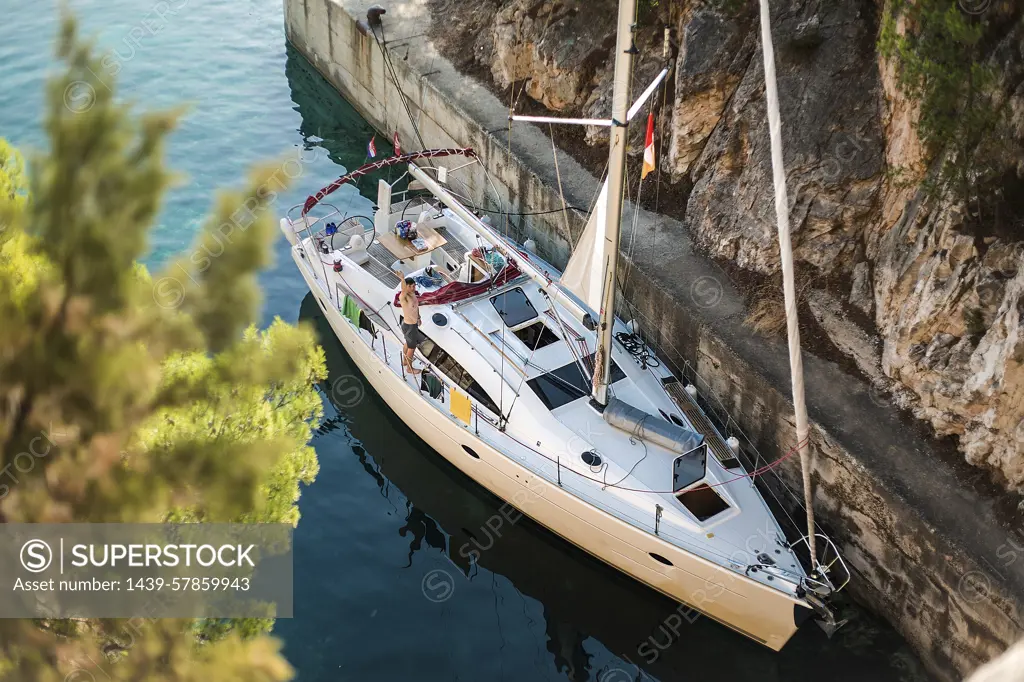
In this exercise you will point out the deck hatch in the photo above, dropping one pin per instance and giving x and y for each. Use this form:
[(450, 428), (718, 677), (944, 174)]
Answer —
[(514, 307), (537, 335), (703, 502), (690, 467), (568, 383)]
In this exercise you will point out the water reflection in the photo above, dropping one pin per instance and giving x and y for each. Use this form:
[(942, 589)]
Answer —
[(329, 123), (443, 511)]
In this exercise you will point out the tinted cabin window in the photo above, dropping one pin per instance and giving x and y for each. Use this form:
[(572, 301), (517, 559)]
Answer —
[(514, 307), (458, 374), (568, 383)]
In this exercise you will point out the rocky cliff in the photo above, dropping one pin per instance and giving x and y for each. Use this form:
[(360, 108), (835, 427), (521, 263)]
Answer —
[(923, 291)]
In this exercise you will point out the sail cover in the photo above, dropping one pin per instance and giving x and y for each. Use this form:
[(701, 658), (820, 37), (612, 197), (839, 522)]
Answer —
[(584, 274)]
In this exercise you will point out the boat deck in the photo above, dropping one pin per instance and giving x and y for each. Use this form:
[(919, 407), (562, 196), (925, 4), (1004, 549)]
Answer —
[(377, 265), (455, 249), (688, 406)]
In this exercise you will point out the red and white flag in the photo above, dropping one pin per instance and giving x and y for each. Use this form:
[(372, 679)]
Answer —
[(398, 145), (649, 164)]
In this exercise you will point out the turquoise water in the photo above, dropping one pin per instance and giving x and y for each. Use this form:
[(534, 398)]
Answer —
[(382, 591)]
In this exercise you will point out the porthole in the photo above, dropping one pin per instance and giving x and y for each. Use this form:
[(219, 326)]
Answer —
[(591, 458), (660, 559), (676, 420), (469, 451), (440, 319)]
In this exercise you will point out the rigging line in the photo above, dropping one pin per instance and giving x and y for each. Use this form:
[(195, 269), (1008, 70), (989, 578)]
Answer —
[(568, 234), (657, 168), (558, 176), (569, 386), (593, 203), (578, 359), (508, 160), (382, 45), (519, 388), (632, 236), (515, 97), (385, 53), (661, 152), (754, 474), (528, 213), (771, 491), (386, 127)]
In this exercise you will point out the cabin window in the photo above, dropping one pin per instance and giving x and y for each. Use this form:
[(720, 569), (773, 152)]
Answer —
[(568, 383), (514, 307), (457, 373), (536, 335)]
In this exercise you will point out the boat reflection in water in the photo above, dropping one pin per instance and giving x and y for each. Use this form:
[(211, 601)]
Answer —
[(649, 636)]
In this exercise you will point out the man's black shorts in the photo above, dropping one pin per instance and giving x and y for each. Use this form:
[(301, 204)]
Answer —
[(413, 336)]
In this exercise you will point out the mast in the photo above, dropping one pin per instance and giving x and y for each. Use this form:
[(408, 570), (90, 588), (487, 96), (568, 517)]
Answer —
[(796, 367), (616, 178)]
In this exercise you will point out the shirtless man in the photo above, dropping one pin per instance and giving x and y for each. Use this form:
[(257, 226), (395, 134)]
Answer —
[(410, 323)]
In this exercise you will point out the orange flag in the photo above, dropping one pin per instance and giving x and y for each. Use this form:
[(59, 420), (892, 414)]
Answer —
[(648, 147)]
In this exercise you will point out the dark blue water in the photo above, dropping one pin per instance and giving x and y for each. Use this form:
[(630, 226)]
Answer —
[(376, 595)]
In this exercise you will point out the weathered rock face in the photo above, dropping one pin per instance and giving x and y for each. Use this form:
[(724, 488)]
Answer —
[(924, 300), (829, 98), (956, 332), (554, 46), (714, 52)]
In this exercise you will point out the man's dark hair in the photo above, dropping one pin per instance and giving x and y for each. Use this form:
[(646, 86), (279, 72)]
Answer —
[(410, 280)]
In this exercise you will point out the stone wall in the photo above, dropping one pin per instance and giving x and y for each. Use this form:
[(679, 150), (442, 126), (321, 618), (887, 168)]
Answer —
[(939, 295), (925, 547)]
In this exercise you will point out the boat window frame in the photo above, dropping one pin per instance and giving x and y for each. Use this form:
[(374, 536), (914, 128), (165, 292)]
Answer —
[(617, 375), (704, 449), (502, 313), (474, 388)]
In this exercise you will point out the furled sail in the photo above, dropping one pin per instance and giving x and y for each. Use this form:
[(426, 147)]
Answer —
[(584, 274)]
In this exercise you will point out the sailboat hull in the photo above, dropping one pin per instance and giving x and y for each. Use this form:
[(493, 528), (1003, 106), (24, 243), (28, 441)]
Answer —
[(765, 615)]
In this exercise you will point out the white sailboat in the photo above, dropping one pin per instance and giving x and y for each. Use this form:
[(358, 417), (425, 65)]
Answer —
[(534, 389)]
